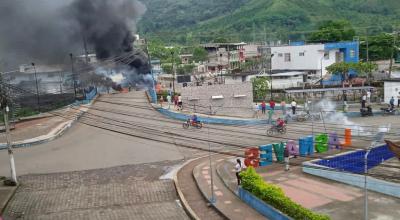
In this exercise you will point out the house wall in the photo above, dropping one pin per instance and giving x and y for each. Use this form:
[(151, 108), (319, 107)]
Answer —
[(313, 57), (392, 89), (227, 106)]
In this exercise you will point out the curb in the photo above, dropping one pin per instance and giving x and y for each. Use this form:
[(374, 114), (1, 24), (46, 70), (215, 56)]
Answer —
[(185, 204), (8, 200), (60, 132)]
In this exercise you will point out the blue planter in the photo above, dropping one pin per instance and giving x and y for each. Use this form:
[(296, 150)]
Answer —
[(261, 207)]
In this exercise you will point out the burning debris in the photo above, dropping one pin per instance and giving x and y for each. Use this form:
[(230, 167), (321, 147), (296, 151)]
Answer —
[(47, 31)]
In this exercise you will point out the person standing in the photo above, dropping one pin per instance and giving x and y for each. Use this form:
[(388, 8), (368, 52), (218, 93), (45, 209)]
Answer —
[(283, 107), (270, 114), (161, 100), (286, 156), (363, 100), (169, 101), (263, 107), (369, 97), (398, 101), (294, 106), (272, 104), (345, 101), (391, 102), (238, 169), (256, 109), (180, 103)]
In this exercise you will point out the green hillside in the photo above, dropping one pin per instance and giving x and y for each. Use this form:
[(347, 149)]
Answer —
[(203, 20)]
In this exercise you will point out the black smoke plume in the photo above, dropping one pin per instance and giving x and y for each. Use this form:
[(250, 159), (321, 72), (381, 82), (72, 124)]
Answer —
[(47, 31)]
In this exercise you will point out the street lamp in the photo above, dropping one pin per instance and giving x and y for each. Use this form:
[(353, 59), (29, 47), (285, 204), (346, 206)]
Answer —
[(270, 70), (37, 88)]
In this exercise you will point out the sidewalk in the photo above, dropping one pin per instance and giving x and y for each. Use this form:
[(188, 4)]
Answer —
[(6, 192), (44, 127), (227, 202), (339, 201)]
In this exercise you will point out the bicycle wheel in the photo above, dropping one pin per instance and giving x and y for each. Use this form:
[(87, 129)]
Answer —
[(185, 125), (283, 130), (270, 132)]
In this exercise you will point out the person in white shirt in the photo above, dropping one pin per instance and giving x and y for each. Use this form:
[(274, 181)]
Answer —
[(180, 104), (256, 109), (363, 101), (369, 97), (169, 98), (238, 169), (294, 106)]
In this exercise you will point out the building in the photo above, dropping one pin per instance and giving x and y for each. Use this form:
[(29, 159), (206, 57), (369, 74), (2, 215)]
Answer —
[(186, 58), (312, 58), (392, 89), (50, 79), (228, 56), (156, 66)]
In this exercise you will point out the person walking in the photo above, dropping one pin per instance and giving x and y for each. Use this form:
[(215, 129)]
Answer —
[(283, 107), (256, 109), (263, 107), (238, 169), (272, 104), (294, 106), (169, 101), (286, 156)]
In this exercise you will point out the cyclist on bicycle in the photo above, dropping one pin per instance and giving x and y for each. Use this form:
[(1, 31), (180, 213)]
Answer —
[(194, 119)]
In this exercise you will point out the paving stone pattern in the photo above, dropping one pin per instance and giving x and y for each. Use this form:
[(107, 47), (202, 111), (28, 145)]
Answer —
[(129, 192)]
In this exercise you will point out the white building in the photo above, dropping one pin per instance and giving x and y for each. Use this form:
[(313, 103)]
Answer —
[(392, 89), (312, 58)]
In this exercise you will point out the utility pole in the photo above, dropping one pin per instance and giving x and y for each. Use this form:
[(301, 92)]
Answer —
[(270, 71), (6, 110), (72, 71), (173, 71), (392, 54), (37, 88)]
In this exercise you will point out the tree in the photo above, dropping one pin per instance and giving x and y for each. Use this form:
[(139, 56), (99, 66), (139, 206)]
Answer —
[(167, 68), (341, 69), (200, 54), (333, 31), (185, 69), (365, 69), (380, 47), (260, 87)]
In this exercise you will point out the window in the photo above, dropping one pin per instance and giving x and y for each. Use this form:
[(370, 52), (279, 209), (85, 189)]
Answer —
[(301, 54), (280, 55), (326, 55), (287, 57), (352, 53), (50, 75)]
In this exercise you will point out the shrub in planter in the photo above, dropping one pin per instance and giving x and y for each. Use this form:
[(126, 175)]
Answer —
[(274, 196)]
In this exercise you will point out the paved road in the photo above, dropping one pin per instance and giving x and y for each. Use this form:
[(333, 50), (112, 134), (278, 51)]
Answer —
[(123, 129), (86, 147)]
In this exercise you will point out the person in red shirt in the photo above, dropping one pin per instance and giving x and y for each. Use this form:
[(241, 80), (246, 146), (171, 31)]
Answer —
[(280, 123), (263, 107), (272, 104)]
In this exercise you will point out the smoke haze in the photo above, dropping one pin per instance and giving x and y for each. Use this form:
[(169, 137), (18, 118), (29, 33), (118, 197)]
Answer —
[(47, 31)]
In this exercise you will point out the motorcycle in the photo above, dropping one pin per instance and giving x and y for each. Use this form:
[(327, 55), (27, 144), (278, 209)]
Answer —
[(189, 123), (275, 129), (388, 111)]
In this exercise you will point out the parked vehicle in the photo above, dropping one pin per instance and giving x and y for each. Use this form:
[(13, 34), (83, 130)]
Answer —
[(388, 111)]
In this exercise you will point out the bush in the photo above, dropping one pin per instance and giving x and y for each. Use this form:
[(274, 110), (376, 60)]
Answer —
[(274, 196)]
